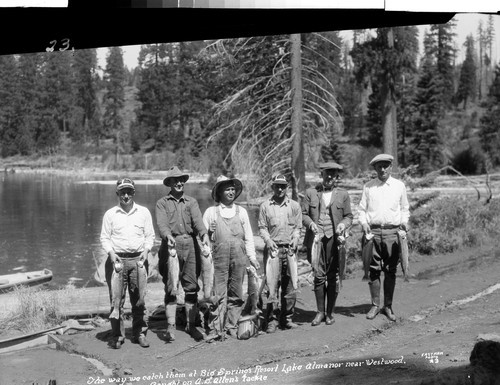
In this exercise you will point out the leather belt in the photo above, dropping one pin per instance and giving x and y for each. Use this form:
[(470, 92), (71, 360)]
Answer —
[(384, 227), (128, 255)]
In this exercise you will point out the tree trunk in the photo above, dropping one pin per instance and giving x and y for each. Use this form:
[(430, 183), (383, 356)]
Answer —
[(388, 109), (297, 166)]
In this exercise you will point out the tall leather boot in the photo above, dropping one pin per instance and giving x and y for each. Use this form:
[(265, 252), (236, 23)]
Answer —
[(170, 311), (191, 329), (331, 299), (389, 286), (319, 292), (375, 294)]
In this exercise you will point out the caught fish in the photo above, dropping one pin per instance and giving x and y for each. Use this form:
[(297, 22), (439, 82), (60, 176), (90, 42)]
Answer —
[(342, 255), (272, 276), (293, 269), (403, 244), (207, 271), (315, 250), (173, 272), (367, 254), (254, 284), (116, 290), (142, 279)]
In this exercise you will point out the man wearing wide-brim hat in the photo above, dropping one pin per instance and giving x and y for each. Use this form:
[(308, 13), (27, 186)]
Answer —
[(326, 215), (383, 210), (180, 223), (280, 222), (233, 247)]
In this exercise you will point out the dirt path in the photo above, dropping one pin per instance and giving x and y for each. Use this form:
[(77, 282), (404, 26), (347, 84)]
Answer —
[(430, 320)]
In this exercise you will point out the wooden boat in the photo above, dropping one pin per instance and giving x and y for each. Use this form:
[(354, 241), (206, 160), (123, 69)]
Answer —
[(29, 278)]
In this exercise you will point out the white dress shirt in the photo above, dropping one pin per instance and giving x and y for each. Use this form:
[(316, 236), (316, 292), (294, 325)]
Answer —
[(384, 203), (129, 232), (210, 216)]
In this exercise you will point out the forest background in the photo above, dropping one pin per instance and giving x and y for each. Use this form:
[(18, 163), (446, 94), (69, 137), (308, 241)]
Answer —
[(255, 106)]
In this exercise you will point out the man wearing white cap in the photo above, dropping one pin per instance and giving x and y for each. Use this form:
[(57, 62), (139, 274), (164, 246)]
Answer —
[(280, 222), (233, 246), (383, 210), (127, 236), (326, 214)]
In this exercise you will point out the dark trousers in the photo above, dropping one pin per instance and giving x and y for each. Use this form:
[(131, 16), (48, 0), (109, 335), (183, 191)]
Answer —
[(328, 266), (188, 252), (139, 313), (385, 259), (288, 297)]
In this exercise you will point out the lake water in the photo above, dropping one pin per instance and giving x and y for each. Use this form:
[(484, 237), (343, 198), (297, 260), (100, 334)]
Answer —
[(55, 222)]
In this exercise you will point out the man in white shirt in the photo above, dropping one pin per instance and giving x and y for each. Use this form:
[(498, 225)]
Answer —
[(233, 244), (127, 236), (383, 210)]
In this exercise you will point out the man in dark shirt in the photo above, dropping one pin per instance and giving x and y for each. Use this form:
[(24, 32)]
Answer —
[(180, 222), (326, 214)]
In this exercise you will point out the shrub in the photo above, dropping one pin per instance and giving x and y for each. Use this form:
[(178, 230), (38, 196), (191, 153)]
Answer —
[(445, 225)]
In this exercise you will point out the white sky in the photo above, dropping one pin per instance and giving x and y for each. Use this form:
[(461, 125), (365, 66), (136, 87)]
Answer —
[(466, 23)]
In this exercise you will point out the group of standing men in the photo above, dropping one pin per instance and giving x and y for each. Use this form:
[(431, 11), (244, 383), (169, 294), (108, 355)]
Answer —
[(325, 212)]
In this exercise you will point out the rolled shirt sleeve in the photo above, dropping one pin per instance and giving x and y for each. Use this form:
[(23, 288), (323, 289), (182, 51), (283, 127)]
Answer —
[(247, 228)]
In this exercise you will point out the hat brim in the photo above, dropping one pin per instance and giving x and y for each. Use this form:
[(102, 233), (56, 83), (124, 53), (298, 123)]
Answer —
[(237, 185), (373, 163), (125, 186), (184, 177)]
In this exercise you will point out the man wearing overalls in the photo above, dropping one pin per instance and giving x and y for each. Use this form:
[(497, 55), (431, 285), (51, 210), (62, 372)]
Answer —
[(233, 244)]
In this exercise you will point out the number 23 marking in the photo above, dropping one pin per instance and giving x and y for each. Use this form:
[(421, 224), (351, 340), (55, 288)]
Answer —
[(65, 45)]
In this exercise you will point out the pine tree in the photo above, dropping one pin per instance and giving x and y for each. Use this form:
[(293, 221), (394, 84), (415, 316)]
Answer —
[(467, 83), (9, 95), (30, 88), (489, 132), (444, 51), (113, 101), (387, 59), (85, 90), (425, 145)]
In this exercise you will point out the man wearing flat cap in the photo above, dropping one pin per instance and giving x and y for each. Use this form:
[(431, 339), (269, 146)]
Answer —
[(280, 222), (326, 215), (233, 247), (383, 210), (179, 221), (127, 236)]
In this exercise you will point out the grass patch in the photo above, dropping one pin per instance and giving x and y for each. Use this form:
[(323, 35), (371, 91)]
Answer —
[(37, 309)]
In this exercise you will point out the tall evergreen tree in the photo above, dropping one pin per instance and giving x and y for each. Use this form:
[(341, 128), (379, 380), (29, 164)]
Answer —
[(444, 50), (30, 88), (9, 97), (489, 132), (425, 147), (113, 101), (85, 89), (388, 59), (467, 83)]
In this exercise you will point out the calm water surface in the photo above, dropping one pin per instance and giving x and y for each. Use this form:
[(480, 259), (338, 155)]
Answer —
[(55, 222)]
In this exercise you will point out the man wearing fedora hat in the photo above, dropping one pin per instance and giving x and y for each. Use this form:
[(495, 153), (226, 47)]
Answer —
[(233, 244), (179, 221), (383, 210), (280, 222), (127, 236), (326, 215)]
